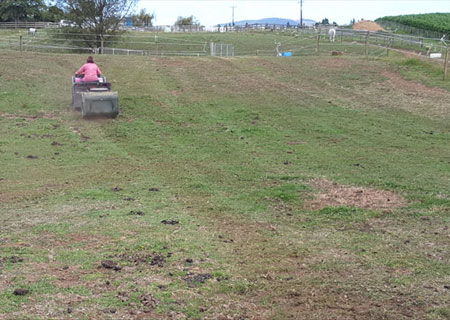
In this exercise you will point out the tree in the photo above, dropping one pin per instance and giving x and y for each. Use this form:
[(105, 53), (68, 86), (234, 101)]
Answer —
[(142, 19), (96, 20), (53, 14), (186, 21), (325, 21), (17, 10)]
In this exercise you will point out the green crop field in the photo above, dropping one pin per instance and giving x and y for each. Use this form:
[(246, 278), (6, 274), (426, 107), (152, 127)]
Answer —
[(227, 188), (439, 22)]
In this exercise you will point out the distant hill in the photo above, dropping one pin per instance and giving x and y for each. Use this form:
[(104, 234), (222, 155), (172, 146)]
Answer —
[(307, 22)]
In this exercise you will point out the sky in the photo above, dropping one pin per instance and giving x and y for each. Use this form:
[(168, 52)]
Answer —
[(213, 12)]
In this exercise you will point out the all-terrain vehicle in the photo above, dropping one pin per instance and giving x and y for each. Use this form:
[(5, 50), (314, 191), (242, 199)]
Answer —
[(94, 98)]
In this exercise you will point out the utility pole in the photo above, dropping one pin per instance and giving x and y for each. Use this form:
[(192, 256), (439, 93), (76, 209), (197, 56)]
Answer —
[(301, 13), (232, 15)]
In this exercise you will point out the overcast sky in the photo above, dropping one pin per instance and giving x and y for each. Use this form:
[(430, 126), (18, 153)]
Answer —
[(213, 12)]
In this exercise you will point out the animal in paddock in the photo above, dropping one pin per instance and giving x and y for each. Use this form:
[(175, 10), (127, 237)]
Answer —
[(332, 34), (32, 32)]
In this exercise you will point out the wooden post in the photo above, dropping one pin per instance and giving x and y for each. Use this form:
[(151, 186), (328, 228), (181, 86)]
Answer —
[(446, 62), (318, 41), (387, 48), (101, 45), (367, 44), (20, 42)]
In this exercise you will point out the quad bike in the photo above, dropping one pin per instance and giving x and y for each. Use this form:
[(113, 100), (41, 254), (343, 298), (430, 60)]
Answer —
[(94, 98)]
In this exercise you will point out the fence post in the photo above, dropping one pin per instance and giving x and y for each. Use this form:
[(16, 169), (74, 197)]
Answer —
[(20, 42), (388, 47), (446, 62), (318, 41), (212, 48), (367, 44), (101, 45)]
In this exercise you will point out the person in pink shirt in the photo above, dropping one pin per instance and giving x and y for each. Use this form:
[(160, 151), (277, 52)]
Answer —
[(90, 70)]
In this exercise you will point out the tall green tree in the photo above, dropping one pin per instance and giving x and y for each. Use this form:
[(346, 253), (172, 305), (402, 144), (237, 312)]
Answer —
[(186, 21), (22, 10), (53, 14), (325, 21), (142, 19), (96, 20)]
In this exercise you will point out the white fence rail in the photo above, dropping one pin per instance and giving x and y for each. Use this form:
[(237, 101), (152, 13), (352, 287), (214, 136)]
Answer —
[(27, 25)]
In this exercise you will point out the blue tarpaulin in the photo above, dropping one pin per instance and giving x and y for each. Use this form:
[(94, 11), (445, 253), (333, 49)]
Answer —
[(287, 54)]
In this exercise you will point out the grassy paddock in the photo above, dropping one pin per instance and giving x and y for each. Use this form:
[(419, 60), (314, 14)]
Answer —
[(248, 43), (256, 165)]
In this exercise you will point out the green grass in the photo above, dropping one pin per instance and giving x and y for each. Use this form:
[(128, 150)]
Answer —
[(228, 148)]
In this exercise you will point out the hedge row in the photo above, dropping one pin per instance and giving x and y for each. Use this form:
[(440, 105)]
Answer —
[(439, 22)]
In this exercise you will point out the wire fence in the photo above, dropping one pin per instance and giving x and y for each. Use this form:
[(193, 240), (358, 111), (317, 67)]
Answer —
[(27, 25), (128, 44), (298, 43), (409, 29), (352, 42)]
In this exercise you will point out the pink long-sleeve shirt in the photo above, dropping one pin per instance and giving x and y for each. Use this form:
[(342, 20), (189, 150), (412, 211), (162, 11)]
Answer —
[(90, 71)]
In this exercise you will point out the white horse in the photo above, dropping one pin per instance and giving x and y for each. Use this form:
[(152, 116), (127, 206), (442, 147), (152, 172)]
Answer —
[(332, 34), (32, 32)]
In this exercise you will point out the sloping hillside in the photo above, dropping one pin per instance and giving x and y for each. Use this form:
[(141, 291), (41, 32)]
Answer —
[(239, 188)]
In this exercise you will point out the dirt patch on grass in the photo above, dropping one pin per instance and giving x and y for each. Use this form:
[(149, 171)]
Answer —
[(423, 99), (368, 26), (415, 88), (333, 195)]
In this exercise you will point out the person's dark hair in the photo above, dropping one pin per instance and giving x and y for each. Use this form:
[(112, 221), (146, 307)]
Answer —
[(90, 60)]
